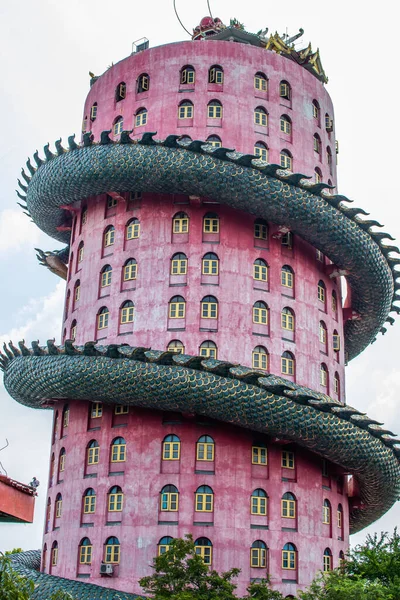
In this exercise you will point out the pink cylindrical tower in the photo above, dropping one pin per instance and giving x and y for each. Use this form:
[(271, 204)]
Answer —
[(153, 266)]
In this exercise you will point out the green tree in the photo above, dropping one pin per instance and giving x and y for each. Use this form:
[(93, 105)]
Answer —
[(12, 585), (262, 591)]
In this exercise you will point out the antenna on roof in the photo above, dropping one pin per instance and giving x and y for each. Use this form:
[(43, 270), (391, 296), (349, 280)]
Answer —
[(209, 9), (180, 22)]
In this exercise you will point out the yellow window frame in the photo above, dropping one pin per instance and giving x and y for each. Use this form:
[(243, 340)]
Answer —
[(121, 409), (180, 225), (260, 272), (102, 320), (260, 360), (81, 252), (93, 112), (285, 126), (109, 238), (118, 453), (210, 266), (89, 505), (176, 349), (205, 451), (323, 377), (260, 118), (287, 366), (185, 111), (258, 505), (66, 418), (326, 515), (141, 119), (96, 410), (62, 463), (258, 558), (85, 555), (118, 127), (209, 310), (130, 272), (106, 278), (327, 563), (133, 231), (177, 310), (259, 455), (205, 552), (211, 225), (336, 385), (58, 509), (112, 554), (93, 455), (208, 352), (287, 459), (127, 314), (54, 557), (214, 111), (260, 231), (116, 502), (286, 161), (169, 501), (260, 83), (287, 321), (289, 560), (204, 502), (171, 451), (179, 266), (261, 153), (163, 548), (288, 509), (260, 315)]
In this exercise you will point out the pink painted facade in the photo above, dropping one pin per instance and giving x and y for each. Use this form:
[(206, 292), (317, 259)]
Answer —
[(230, 527)]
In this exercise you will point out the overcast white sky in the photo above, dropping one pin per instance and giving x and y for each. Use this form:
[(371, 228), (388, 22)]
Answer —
[(47, 49)]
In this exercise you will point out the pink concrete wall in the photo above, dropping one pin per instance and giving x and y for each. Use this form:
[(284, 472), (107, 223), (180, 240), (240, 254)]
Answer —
[(144, 474), (236, 291), (237, 129)]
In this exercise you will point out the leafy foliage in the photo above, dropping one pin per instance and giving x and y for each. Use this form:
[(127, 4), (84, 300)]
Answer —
[(12, 585)]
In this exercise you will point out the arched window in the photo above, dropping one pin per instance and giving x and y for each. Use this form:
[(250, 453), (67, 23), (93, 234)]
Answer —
[(180, 223), (177, 306), (214, 141), (340, 516), (258, 555), (77, 291), (214, 110), (286, 160), (65, 416), (316, 110), (204, 499), (93, 112), (261, 229), (342, 559), (209, 307), (44, 559), (120, 92), (112, 550), (111, 202), (285, 91), (176, 346), (84, 125), (185, 110), (216, 74), (93, 451), (288, 506), (211, 223), (261, 151), (208, 349), (85, 552), (61, 462), (258, 502), (260, 270), (185, 138), (115, 499), (188, 74), (210, 264), (329, 157), (58, 506), (260, 358), (336, 384), (118, 126), (323, 375), (203, 547), (327, 560), (260, 116), (81, 252), (260, 313), (109, 236), (169, 498), (48, 514), (127, 312), (287, 319), (289, 556), (89, 501), (54, 554), (259, 453), (118, 450), (164, 544), (287, 276), (84, 215), (328, 123), (317, 143), (287, 363), (72, 333), (106, 274), (171, 449), (260, 82), (143, 83), (130, 270), (322, 333), (133, 229), (318, 175), (141, 117), (326, 512), (67, 302), (205, 448), (102, 318), (334, 304), (285, 124), (321, 291)]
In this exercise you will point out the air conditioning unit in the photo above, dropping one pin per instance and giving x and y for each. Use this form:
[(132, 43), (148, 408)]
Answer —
[(106, 569)]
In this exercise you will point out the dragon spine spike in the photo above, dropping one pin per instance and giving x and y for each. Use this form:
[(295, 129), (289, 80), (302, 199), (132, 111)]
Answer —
[(30, 167), (60, 150), (47, 152), (353, 212), (124, 137), (21, 197), (171, 141), (245, 161), (147, 138), (71, 142), (37, 158), (23, 187), (87, 139), (25, 176), (105, 137)]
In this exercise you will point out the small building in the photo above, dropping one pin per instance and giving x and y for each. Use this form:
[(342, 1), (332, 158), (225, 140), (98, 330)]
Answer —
[(17, 501)]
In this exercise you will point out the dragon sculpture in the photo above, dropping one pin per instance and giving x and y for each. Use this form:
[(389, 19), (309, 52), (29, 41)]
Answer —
[(220, 390)]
